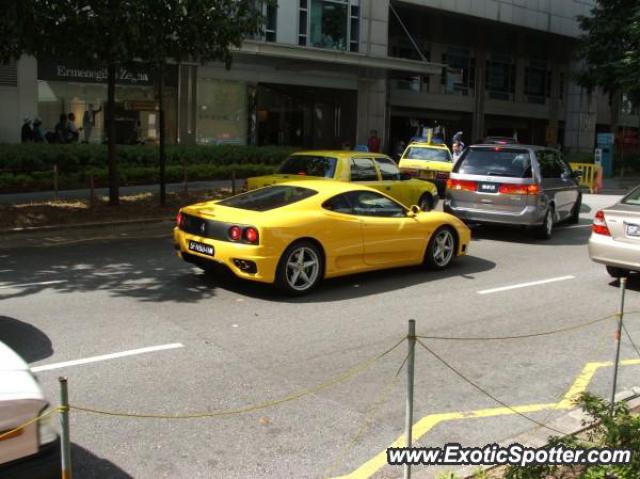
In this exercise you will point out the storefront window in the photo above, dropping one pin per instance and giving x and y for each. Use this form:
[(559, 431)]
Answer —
[(333, 24), (222, 112)]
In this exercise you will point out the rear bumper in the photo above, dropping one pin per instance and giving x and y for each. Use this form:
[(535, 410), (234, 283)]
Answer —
[(43, 465), (527, 216), (605, 250)]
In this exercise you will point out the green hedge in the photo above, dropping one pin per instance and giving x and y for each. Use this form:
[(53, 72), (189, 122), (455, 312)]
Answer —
[(26, 158), (29, 167)]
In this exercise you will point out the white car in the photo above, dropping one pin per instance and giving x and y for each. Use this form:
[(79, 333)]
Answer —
[(32, 452)]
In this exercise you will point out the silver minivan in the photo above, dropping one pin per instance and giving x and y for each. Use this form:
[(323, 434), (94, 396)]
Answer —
[(515, 184)]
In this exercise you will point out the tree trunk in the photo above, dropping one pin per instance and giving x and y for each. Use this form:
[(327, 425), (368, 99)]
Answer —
[(616, 100), (162, 154), (114, 197)]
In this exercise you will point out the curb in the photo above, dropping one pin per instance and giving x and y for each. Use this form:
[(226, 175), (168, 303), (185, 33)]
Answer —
[(55, 228)]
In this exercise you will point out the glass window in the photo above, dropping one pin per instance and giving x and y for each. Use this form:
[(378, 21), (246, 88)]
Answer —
[(427, 154), (363, 169), (495, 162), (329, 24), (322, 166), (339, 204), (537, 82), (632, 198), (354, 35), (303, 17), (388, 169), (459, 76), (369, 203), (271, 22), (222, 112), (501, 77), (268, 198), (549, 166)]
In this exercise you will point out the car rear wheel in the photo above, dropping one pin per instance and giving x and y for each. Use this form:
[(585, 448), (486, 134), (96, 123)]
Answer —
[(617, 272), (426, 203), (441, 249), (300, 268), (574, 219), (545, 230)]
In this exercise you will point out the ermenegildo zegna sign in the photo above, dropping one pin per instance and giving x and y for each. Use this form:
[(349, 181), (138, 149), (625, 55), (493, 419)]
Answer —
[(52, 70)]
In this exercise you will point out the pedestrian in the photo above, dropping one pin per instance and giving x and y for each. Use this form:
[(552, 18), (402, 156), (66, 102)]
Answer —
[(60, 130), (26, 133), (400, 146), (456, 150), (38, 135), (73, 135), (89, 121), (458, 137), (374, 142)]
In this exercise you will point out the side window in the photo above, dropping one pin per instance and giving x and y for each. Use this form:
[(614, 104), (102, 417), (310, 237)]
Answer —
[(549, 167), (339, 204), (363, 169), (369, 203), (565, 169), (388, 169)]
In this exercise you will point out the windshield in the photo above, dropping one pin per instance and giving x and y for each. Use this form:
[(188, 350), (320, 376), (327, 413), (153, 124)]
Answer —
[(268, 198), (427, 154), (495, 162), (632, 198), (308, 165)]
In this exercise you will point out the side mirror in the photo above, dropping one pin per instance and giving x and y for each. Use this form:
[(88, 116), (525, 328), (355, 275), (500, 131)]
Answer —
[(413, 211)]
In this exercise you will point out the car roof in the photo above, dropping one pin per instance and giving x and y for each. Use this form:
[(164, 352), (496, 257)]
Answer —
[(326, 186), (424, 144), (520, 146), (16, 380), (340, 153)]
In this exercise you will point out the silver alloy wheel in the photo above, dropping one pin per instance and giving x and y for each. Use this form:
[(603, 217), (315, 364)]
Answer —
[(443, 247), (303, 267)]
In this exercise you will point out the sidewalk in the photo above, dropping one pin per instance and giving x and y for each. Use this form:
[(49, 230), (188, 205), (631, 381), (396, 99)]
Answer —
[(619, 185), (18, 198)]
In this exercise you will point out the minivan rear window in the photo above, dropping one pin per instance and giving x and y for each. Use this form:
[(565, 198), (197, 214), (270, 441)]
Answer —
[(513, 163)]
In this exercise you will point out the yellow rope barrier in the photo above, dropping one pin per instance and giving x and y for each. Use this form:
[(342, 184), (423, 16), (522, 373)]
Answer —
[(6, 434)]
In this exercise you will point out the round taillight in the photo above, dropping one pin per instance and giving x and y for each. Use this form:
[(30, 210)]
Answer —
[(235, 233), (251, 234), (179, 219)]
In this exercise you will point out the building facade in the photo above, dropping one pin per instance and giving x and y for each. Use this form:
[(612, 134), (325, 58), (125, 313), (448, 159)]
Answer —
[(325, 73)]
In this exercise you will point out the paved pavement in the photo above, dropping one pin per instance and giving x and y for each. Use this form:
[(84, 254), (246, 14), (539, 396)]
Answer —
[(226, 344), (19, 198)]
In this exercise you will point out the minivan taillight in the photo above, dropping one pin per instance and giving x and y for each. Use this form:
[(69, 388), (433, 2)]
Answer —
[(511, 189), (463, 185), (600, 224)]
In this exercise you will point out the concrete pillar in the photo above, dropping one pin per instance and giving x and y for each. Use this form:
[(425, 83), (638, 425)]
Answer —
[(580, 121), (372, 110), (477, 117)]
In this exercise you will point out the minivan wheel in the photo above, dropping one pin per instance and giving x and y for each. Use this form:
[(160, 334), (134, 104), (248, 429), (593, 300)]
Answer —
[(617, 272), (441, 249), (545, 230), (574, 219), (426, 203)]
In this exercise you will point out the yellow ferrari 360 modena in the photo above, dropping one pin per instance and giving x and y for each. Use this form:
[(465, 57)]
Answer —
[(297, 233)]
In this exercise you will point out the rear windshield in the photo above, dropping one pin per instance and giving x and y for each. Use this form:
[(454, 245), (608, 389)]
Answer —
[(308, 165), (495, 162), (632, 198), (268, 198), (427, 154)]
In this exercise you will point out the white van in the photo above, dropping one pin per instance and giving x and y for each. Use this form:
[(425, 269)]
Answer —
[(32, 452)]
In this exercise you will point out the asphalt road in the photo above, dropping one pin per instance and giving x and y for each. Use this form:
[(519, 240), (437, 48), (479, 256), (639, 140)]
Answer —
[(241, 344)]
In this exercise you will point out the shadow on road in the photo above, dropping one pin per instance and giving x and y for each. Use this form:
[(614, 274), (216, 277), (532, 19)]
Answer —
[(89, 466), (25, 339), (354, 286), (563, 235), (633, 282)]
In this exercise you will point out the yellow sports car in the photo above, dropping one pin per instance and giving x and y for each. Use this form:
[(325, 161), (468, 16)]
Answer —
[(428, 161), (375, 170), (297, 233)]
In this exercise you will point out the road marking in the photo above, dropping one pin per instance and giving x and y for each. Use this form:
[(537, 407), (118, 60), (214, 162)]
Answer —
[(577, 226), (526, 285), (105, 357), (27, 285), (427, 423)]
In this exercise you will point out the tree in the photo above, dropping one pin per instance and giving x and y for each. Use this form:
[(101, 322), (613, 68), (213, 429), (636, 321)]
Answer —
[(193, 30), (97, 33), (610, 49)]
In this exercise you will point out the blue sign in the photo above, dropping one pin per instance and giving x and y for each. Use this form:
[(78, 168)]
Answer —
[(361, 148), (604, 138)]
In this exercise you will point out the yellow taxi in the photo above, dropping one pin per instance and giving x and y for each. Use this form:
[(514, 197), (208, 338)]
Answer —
[(428, 161), (297, 233), (374, 170)]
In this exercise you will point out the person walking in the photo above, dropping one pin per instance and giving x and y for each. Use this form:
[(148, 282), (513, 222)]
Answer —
[(73, 135), (456, 150), (89, 121), (26, 133), (38, 134)]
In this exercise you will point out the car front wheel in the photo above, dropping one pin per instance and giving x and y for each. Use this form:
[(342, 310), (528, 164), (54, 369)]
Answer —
[(441, 249), (300, 268)]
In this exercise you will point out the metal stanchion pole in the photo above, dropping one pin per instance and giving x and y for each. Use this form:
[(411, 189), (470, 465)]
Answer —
[(65, 442), (233, 181), (55, 181), (618, 336), (411, 339)]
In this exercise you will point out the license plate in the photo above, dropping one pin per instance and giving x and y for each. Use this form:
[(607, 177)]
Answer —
[(488, 187), (201, 248), (633, 230)]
